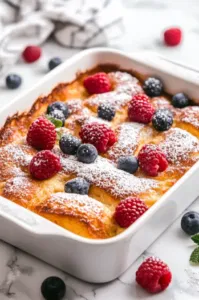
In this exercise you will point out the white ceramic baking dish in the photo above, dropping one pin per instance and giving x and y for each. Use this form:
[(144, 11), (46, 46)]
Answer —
[(99, 260)]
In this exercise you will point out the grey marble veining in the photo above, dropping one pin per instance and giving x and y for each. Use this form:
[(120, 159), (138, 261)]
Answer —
[(21, 275)]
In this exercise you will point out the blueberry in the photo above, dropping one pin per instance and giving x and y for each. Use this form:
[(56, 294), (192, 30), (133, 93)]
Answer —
[(58, 114), (77, 186), (53, 288), (58, 105), (106, 112), (180, 100), (128, 163), (162, 119), (69, 144), (13, 81), (54, 62), (87, 153), (153, 87), (190, 222)]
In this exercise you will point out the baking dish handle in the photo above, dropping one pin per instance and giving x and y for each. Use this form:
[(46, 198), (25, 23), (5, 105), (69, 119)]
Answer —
[(14, 214)]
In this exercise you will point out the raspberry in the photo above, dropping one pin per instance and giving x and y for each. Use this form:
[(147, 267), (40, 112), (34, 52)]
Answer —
[(99, 135), (44, 165), (140, 109), (31, 53), (41, 134), (97, 84), (152, 160), (153, 275), (129, 210), (140, 97), (172, 36)]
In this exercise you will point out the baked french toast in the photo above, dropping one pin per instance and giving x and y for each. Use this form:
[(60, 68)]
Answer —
[(114, 138)]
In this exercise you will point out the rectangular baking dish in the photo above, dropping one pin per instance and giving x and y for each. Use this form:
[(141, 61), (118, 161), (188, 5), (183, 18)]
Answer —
[(99, 260)]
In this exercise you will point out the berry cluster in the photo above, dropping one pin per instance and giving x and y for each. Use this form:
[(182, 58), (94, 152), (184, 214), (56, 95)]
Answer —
[(30, 54)]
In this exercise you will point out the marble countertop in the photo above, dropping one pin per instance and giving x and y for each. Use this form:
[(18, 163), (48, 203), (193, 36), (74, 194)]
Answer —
[(21, 274)]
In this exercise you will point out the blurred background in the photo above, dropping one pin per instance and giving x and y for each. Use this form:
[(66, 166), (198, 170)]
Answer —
[(64, 27)]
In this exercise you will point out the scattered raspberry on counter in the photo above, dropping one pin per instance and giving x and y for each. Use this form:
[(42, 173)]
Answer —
[(173, 36), (153, 275), (31, 53)]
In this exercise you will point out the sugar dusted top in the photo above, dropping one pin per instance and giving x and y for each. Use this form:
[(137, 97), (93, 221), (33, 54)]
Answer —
[(109, 182)]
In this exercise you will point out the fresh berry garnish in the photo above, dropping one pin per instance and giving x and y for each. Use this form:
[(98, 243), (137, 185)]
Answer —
[(162, 119), (41, 134), (129, 210), (180, 100), (31, 54), (173, 36), (13, 81), (97, 84), (153, 87), (58, 114), (190, 222), (128, 163), (53, 288), (69, 144), (54, 62), (140, 109), (77, 186), (45, 164), (58, 105), (153, 275), (152, 160), (99, 135), (87, 153), (106, 112), (140, 96)]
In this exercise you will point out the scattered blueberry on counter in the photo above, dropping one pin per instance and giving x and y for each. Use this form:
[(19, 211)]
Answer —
[(128, 163), (53, 288), (153, 87), (106, 112), (54, 62), (180, 100), (13, 81), (87, 153), (162, 119), (77, 186), (69, 144), (190, 222)]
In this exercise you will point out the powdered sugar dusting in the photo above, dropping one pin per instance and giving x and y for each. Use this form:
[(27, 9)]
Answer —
[(190, 115), (128, 134), (74, 105), (124, 82), (16, 154), (104, 174), (178, 145), (75, 202), (125, 86), (116, 99), (17, 185)]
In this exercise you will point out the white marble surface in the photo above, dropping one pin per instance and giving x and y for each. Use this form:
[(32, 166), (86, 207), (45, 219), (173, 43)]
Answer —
[(20, 274)]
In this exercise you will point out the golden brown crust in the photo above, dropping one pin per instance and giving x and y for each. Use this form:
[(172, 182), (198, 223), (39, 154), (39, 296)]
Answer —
[(79, 214), (92, 216)]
